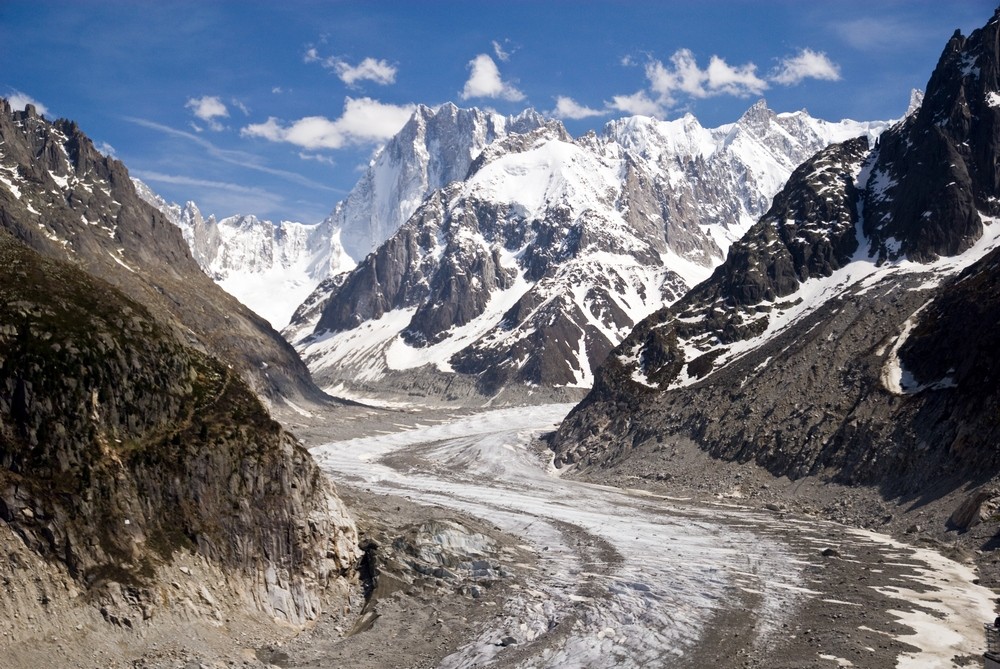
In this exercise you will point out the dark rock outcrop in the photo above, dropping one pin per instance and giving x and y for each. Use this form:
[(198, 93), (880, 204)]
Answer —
[(66, 200), (121, 447), (936, 172)]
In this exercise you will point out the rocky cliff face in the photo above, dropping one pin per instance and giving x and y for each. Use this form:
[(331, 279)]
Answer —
[(837, 339), (60, 196), (527, 272), (122, 450)]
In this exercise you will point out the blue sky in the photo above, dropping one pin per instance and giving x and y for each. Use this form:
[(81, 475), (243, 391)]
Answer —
[(272, 108)]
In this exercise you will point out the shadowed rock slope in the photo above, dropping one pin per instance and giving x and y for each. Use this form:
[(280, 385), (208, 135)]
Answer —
[(66, 200), (122, 450), (851, 333)]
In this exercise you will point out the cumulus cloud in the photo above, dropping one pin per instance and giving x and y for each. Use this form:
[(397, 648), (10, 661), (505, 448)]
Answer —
[(379, 71), (363, 121), (638, 103), (18, 101), (808, 64), (208, 108), (568, 108), (683, 75), (369, 69), (106, 149), (485, 81)]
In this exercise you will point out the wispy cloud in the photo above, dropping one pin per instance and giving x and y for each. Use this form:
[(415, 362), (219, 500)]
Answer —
[(106, 149), (568, 108), (219, 197), (241, 106), (181, 180), (875, 34), (379, 71), (318, 157), (485, 81), (233, 157), (501, 51), (18, 101), (808, 64), (363, 121)]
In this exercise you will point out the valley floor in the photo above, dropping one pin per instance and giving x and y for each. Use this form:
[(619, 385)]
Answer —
[(580, 574), (485, 557)]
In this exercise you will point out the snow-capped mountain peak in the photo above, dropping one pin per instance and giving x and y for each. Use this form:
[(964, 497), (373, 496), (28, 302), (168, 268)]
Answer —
[(528, 271)]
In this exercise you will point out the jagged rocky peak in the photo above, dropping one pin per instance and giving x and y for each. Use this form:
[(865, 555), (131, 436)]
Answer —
[(531, 269), (937, 171), (434, 148)]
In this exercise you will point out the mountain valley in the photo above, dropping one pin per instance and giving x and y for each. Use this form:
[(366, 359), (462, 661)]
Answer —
[(662, 395)]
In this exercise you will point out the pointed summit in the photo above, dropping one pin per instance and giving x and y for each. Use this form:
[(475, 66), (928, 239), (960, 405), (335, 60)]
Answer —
[(937, 171)]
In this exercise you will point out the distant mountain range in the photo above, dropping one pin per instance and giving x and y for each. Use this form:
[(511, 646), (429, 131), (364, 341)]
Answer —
[(538, 257)]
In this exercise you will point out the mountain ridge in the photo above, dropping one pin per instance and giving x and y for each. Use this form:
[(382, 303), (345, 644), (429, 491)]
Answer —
[(797, 353), (478, 280)]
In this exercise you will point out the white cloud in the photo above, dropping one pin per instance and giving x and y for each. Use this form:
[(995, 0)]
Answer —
[(369, 69), (502, 54), (364, 121), (208, 108), (683, 75), (318, 157), (808, 64), (638, 103), (485, 82), (18, 101), (379, 70), (106, 149), (569, 108), (242, 107), (277, 90)]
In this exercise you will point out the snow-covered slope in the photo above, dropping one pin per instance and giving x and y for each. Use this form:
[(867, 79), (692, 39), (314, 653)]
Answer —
[(434, 148), (269, 268), (535, 266), (274, 268)]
